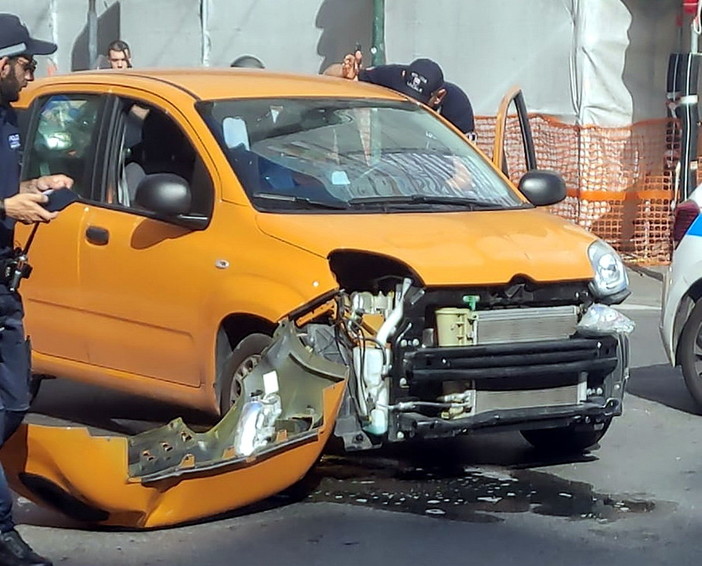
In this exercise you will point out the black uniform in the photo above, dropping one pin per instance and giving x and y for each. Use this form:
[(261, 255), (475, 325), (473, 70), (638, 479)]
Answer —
[(14, 350), (455, 107)]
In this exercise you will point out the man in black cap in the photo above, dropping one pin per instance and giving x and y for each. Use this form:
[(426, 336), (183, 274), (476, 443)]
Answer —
[(422, 80), (18, 202)]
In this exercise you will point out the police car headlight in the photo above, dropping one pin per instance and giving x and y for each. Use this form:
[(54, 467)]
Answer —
[(610, 273)]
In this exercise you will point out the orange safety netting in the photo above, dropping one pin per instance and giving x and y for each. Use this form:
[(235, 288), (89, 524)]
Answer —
[(620, 181)]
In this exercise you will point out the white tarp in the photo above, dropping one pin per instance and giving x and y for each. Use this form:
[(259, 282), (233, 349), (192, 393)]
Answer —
[(591, 61)]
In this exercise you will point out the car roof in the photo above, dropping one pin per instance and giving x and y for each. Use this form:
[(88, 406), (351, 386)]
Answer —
[(214, 84)]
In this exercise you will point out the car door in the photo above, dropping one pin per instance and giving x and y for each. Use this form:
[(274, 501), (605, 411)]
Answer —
[(140, 276), (64, 134), (513, 155)]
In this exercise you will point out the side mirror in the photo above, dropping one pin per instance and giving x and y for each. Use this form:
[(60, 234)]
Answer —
[(169, 195), (542, 187)]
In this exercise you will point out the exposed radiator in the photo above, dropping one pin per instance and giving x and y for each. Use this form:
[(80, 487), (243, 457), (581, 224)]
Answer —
[(465, 327)]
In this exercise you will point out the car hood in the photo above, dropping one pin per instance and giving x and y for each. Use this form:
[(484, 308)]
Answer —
[(484, 247)]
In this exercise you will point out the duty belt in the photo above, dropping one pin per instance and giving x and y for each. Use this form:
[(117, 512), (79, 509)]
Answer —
[(14, 269)]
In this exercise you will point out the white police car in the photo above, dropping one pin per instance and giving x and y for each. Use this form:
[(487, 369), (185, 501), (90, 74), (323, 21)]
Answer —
[(681, 314)]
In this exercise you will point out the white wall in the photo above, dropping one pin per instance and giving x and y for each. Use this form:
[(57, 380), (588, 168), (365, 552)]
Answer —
[(304, 35)]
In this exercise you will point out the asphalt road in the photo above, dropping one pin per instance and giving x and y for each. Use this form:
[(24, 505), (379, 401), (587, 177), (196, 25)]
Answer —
[(485, 499)]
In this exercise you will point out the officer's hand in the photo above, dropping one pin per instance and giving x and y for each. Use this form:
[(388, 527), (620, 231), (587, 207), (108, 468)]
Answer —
[(45, 183), (351, 65), (27, 209)]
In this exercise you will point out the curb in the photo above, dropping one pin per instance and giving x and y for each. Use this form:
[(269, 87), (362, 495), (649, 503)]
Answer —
[(646, 271)]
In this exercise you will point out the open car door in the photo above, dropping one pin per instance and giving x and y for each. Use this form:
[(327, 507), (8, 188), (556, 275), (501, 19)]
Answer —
[(506, 159), (268, 440)]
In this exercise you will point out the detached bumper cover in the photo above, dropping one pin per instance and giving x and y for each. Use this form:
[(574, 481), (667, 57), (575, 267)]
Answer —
[(171, 474)]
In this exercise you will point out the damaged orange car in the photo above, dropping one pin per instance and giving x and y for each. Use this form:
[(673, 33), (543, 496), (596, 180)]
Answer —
[(218, 205)]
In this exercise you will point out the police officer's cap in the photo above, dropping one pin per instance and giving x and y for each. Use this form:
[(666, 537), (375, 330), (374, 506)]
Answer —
[(421, 79), (15, 39)]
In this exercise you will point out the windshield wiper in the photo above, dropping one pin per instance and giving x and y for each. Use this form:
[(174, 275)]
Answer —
[(462, 202), (305, 201)]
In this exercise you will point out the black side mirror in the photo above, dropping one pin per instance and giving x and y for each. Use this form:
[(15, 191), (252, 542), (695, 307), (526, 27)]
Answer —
[(542, 187), (169, 195)]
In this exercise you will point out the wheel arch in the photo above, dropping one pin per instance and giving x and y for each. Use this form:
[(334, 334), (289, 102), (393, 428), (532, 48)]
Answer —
[(233, 329), (687, 303)]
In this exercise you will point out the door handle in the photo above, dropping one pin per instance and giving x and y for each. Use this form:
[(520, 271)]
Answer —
[(97, 235)]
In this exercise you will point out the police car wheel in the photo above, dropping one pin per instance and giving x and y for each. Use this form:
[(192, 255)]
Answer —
[(690, 352), (237, 366), (566, 440)]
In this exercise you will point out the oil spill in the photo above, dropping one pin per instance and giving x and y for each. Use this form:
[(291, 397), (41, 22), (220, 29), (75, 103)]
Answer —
[(464, 493)]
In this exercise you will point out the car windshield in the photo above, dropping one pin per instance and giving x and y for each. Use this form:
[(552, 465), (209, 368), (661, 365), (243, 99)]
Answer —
[(323, 155)]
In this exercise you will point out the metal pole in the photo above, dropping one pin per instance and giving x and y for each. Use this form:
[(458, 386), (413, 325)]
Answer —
[(205, 32), (92, 34), (378, 47)]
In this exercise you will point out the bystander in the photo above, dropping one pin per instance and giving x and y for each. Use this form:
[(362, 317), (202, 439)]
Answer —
[(119, 55)]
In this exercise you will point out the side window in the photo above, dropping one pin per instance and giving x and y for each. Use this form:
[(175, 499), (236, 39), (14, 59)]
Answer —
[(149, 141), (64, 139)]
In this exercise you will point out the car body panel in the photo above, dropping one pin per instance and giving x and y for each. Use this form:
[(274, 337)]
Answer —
[(120, 346), (683, 275), (502, 243), (54, 309)]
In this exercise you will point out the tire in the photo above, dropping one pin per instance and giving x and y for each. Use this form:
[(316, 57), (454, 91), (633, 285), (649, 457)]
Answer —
[(690, 353), (567, 440), (237, 366)]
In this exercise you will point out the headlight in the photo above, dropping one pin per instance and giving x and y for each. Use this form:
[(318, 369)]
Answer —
[(610, 274)]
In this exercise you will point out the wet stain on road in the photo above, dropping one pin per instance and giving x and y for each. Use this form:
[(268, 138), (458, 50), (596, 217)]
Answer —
[(464, 494)]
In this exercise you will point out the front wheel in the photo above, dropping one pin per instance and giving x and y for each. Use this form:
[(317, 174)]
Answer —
[(690, 352), (567, 439), (237, 366)]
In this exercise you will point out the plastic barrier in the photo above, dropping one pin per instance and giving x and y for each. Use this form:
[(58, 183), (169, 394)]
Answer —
[(620, 180)]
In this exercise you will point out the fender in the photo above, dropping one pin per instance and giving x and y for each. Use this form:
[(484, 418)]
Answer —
[(263, 297)]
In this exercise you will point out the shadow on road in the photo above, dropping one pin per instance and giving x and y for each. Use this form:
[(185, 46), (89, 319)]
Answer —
[(663, 384), (62, 402)]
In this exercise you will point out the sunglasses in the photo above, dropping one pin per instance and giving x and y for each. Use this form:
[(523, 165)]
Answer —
[(28, 65)]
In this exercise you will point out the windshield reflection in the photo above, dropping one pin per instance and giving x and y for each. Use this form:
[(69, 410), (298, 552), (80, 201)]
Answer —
[(325, 155)]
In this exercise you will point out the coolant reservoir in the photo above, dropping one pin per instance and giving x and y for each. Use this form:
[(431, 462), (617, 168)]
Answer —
[(455, 327), (368, 363)]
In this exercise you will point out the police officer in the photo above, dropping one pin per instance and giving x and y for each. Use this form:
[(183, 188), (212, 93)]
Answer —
[(422, 80), (18, 202)]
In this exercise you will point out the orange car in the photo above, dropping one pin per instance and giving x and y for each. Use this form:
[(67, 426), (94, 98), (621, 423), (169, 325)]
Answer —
[(216, 203), (296, 254)]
